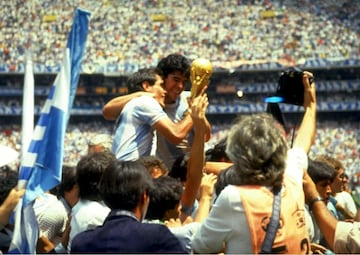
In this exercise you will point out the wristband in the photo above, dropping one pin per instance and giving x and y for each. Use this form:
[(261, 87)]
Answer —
[(314, 200)]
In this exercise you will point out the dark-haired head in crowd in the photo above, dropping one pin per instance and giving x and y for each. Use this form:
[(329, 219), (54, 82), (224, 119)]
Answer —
[(179, 168), (90, 211), (322, 175), (88, 173), (125, 188), (165, 199), (135, 81), (343, 205), (155, 166), (218, 152), (216, 158), (176, 71), (67, 190)]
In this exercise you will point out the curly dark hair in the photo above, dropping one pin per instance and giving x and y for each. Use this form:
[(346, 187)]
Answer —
[(151, 162), (173, 63)]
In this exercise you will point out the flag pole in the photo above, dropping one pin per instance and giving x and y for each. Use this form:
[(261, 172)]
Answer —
[(27, 123)]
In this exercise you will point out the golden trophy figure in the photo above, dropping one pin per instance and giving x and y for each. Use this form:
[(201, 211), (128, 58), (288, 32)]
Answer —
[(200, 72)]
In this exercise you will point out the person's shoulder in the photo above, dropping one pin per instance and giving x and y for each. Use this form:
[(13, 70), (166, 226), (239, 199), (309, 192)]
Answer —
[(230, 194), (87, 208), (187, 229), (344, 194), (155, 228), (296, 152), (143, 102), (230, 189), (347, 237), (147, 98), (154, 231), (140, 100), (82, 240)]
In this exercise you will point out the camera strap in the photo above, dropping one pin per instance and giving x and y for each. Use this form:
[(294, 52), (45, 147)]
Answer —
[(273, 225)]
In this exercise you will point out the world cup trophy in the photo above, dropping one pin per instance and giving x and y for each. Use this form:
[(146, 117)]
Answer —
[(200, 72)]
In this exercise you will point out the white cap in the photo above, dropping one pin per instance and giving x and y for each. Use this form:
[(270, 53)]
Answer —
[(7, 155)]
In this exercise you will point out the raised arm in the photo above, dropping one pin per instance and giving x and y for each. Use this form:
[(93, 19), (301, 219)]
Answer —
[(174, 132), (197, 154), (113, 108), (7, 207), (207, 123), (216, 167), (205, 197), (306, 133), (208, 130), (324, 219)]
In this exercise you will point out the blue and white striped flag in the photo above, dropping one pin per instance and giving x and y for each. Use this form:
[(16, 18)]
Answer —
[(42, 163)]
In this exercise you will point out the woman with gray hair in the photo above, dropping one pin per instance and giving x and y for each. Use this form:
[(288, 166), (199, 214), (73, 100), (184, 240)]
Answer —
[(264, 168), (258, 150)]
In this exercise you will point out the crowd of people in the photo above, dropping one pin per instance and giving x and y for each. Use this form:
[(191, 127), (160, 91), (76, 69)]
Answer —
[(140, 33), (342, 139), (142, 199), (159, 177)]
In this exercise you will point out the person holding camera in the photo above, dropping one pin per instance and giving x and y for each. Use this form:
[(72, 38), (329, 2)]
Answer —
[(264, 169)]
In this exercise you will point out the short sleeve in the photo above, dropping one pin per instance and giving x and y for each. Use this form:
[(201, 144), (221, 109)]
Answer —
[(149, 110), (296, 163), (347, 237)]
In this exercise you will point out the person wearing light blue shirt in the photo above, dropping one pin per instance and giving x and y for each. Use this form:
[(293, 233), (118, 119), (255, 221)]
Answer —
[(174, 140), (134, 134)]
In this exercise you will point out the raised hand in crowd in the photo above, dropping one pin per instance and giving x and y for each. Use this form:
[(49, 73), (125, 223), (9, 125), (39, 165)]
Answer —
[(7, 207)]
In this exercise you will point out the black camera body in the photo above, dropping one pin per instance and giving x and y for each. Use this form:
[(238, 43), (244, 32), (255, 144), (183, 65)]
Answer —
[(290, 86)]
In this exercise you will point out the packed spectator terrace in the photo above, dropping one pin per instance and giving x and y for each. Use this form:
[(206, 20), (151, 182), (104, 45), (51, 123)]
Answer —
[(125, 35), (243, 40)]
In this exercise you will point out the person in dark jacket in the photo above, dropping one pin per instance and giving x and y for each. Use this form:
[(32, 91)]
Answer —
[(125, 187)]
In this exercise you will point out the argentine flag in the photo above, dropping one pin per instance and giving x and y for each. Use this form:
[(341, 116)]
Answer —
[(41, 166)]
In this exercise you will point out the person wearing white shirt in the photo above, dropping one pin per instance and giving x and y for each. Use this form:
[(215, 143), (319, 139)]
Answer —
[(262, 165), (89, 212)]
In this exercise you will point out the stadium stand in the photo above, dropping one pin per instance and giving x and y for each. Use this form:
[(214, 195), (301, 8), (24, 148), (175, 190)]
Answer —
[(232, 34)]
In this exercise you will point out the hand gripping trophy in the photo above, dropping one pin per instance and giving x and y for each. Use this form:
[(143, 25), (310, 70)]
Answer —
[(200, 72)]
